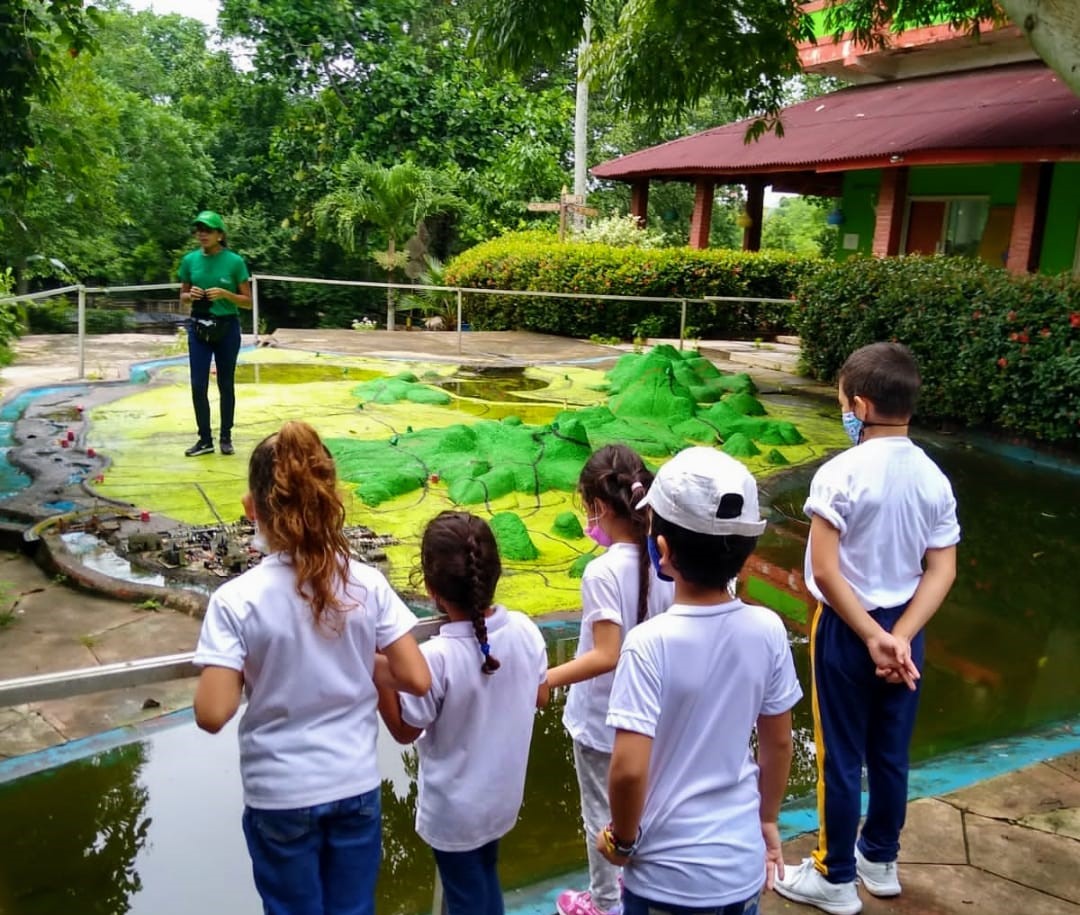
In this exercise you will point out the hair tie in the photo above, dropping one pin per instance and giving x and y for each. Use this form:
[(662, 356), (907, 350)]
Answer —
[(485, 649), (636, 485)]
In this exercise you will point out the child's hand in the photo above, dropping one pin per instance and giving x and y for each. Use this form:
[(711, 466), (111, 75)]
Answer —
[(606, 851), (891, 655), (774, 856)]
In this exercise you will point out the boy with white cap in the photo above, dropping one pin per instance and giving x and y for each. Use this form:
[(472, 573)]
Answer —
[(693, 815)]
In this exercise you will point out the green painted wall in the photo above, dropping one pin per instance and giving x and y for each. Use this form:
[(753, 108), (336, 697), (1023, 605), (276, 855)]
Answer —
[(818, 18), (1000, 182), (1062, 219), (858, 205)]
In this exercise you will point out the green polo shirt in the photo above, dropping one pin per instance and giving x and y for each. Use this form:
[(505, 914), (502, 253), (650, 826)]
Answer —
[(225, 269)]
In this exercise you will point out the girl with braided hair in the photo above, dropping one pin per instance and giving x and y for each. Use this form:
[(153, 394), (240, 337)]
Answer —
[(299, 634), (619, 589), (474, 726)]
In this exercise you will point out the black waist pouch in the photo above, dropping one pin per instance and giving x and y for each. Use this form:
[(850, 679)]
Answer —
[(210, 329)]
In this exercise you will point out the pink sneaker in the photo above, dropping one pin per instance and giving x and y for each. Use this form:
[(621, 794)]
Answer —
[(578, 902)]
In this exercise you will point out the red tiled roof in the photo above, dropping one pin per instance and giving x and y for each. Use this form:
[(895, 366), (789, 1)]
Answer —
[(1024, 109)]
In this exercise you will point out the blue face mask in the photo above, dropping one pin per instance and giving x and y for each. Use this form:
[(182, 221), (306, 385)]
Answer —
[(853, 426), (654, 557)]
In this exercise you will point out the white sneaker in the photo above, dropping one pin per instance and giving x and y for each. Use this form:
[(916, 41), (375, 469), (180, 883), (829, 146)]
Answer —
[(880, 879), (806, 884)]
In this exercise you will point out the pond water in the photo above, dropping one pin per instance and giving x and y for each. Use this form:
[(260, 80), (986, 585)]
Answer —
[(153, 827)]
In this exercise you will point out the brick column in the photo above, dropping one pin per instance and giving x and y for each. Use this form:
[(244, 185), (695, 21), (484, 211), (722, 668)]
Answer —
[(1029, 217), (701, 221), (639, 201), (889, 221), (755, 209)]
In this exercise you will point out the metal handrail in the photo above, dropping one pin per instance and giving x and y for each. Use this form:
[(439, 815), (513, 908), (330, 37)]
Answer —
[(458, 291), (64, 684)]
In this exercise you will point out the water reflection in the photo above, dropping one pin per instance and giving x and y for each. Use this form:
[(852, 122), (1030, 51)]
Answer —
[(70, 842)]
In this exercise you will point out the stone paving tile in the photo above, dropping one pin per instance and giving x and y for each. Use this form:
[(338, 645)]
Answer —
[(1064, 822), (81, 716), (933, 834), (1069, 764), (147, 632), (1037, 789), (1030, 857), (24, 730)]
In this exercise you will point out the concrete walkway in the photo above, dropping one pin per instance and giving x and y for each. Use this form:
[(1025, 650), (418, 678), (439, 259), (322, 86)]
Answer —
[(1006, 846)]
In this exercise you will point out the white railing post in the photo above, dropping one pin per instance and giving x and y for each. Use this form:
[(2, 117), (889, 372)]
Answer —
[(459, 319), (255, 308), (682, 324), (82, 331)]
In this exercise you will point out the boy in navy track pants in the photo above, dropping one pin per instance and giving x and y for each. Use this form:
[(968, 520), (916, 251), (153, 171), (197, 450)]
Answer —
[(878, 512)]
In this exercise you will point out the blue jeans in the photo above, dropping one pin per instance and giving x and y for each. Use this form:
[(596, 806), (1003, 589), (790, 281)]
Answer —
[(470, 880), (320, 860), (632, 904), (224, 354)]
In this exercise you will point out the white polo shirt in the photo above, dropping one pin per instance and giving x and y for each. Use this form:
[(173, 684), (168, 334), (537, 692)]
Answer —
[(695, 679), (609, 593), (891, 503), (307, 735), (477, 730)]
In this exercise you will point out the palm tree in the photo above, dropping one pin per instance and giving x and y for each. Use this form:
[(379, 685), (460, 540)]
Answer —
[(394, 200)]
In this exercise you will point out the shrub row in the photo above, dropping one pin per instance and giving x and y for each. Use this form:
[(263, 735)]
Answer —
[(60, 316), (537, 261), (994, 349)]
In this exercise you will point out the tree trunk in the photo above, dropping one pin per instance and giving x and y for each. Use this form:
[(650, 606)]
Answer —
[(390, 251), (1053, 28)]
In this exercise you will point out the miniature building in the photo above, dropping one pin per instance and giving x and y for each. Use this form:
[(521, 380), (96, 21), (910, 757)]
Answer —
[(948, 143)]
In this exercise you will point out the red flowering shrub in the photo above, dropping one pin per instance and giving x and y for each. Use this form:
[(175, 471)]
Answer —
[(972, 328)]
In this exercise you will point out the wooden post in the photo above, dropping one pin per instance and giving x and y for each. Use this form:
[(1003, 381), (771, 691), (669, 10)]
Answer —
[(755, 210), (639, 201), (889, 222), (1029, 217), (701, 221)]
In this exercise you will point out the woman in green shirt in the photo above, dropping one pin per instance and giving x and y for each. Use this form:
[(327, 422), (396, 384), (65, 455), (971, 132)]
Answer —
[(216, 283)]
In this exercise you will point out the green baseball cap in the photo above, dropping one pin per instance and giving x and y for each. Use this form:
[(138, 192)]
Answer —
[(210, 219)]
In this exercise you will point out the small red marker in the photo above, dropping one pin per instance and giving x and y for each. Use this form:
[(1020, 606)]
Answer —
[(71, 435), (434, 478), (144, 516), (64, 443), (79, 407), (90, 452)]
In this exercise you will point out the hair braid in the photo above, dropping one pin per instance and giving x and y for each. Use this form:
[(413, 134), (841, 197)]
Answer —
[(479, 597), (460, 562)]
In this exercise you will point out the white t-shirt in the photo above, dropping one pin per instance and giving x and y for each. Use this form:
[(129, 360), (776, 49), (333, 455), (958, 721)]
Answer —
[(477, 730), (609, 593), (891, 504), (696, 679), (308, 733)]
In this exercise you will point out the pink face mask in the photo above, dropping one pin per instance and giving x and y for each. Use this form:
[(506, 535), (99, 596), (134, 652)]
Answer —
[(595, 532)]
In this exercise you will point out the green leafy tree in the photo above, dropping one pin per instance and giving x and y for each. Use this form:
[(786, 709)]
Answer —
[(392, 200), (662, 56), (35, 38), (797, 225)]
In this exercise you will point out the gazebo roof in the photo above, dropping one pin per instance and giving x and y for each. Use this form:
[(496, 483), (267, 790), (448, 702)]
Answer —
[(1016, 113)]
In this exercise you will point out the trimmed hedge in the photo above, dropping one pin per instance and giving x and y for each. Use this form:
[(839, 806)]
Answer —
[(994, 348), (537, 261)]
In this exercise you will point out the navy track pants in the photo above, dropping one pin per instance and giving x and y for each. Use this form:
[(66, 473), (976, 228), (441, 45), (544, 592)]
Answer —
[(858, 719)]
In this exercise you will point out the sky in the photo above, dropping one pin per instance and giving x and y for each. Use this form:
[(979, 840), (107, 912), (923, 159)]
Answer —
[(206, 10)]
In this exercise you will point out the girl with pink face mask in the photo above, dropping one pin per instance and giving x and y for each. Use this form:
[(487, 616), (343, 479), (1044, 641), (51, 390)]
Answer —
[(619, 589)]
